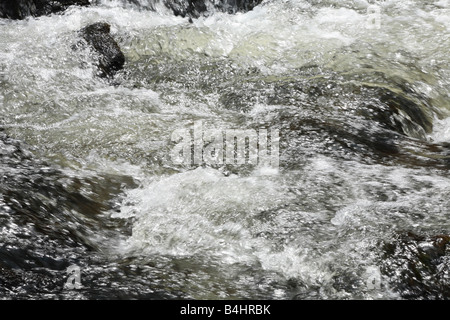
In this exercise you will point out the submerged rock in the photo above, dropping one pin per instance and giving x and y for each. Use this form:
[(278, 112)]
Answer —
[(110, 57), (48, 219), (418, 266), (20, 9)]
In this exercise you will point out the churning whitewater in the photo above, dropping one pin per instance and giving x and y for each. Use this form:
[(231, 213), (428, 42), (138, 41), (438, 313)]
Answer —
[(354, 96)]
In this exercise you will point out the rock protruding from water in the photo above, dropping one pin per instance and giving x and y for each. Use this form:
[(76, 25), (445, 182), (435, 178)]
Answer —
[(195, 8), (110, 57), (20, 9)]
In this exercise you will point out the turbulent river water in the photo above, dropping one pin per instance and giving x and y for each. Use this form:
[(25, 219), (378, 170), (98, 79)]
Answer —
[(359, 92)]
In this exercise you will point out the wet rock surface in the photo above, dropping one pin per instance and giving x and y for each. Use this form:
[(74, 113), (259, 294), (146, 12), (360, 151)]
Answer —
[(418, 266), (20, 9), (196, 8), (110, 57)]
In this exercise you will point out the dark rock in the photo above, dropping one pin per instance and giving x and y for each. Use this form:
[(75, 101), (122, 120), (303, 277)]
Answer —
[(17, 9), (111, 58), (418, 266), (195, 8), (45, 7), (47, 220), (20, 9), (187, 8), (233, 6)]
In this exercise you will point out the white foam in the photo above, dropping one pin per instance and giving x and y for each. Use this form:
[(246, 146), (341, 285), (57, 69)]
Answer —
[(441, 130)]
